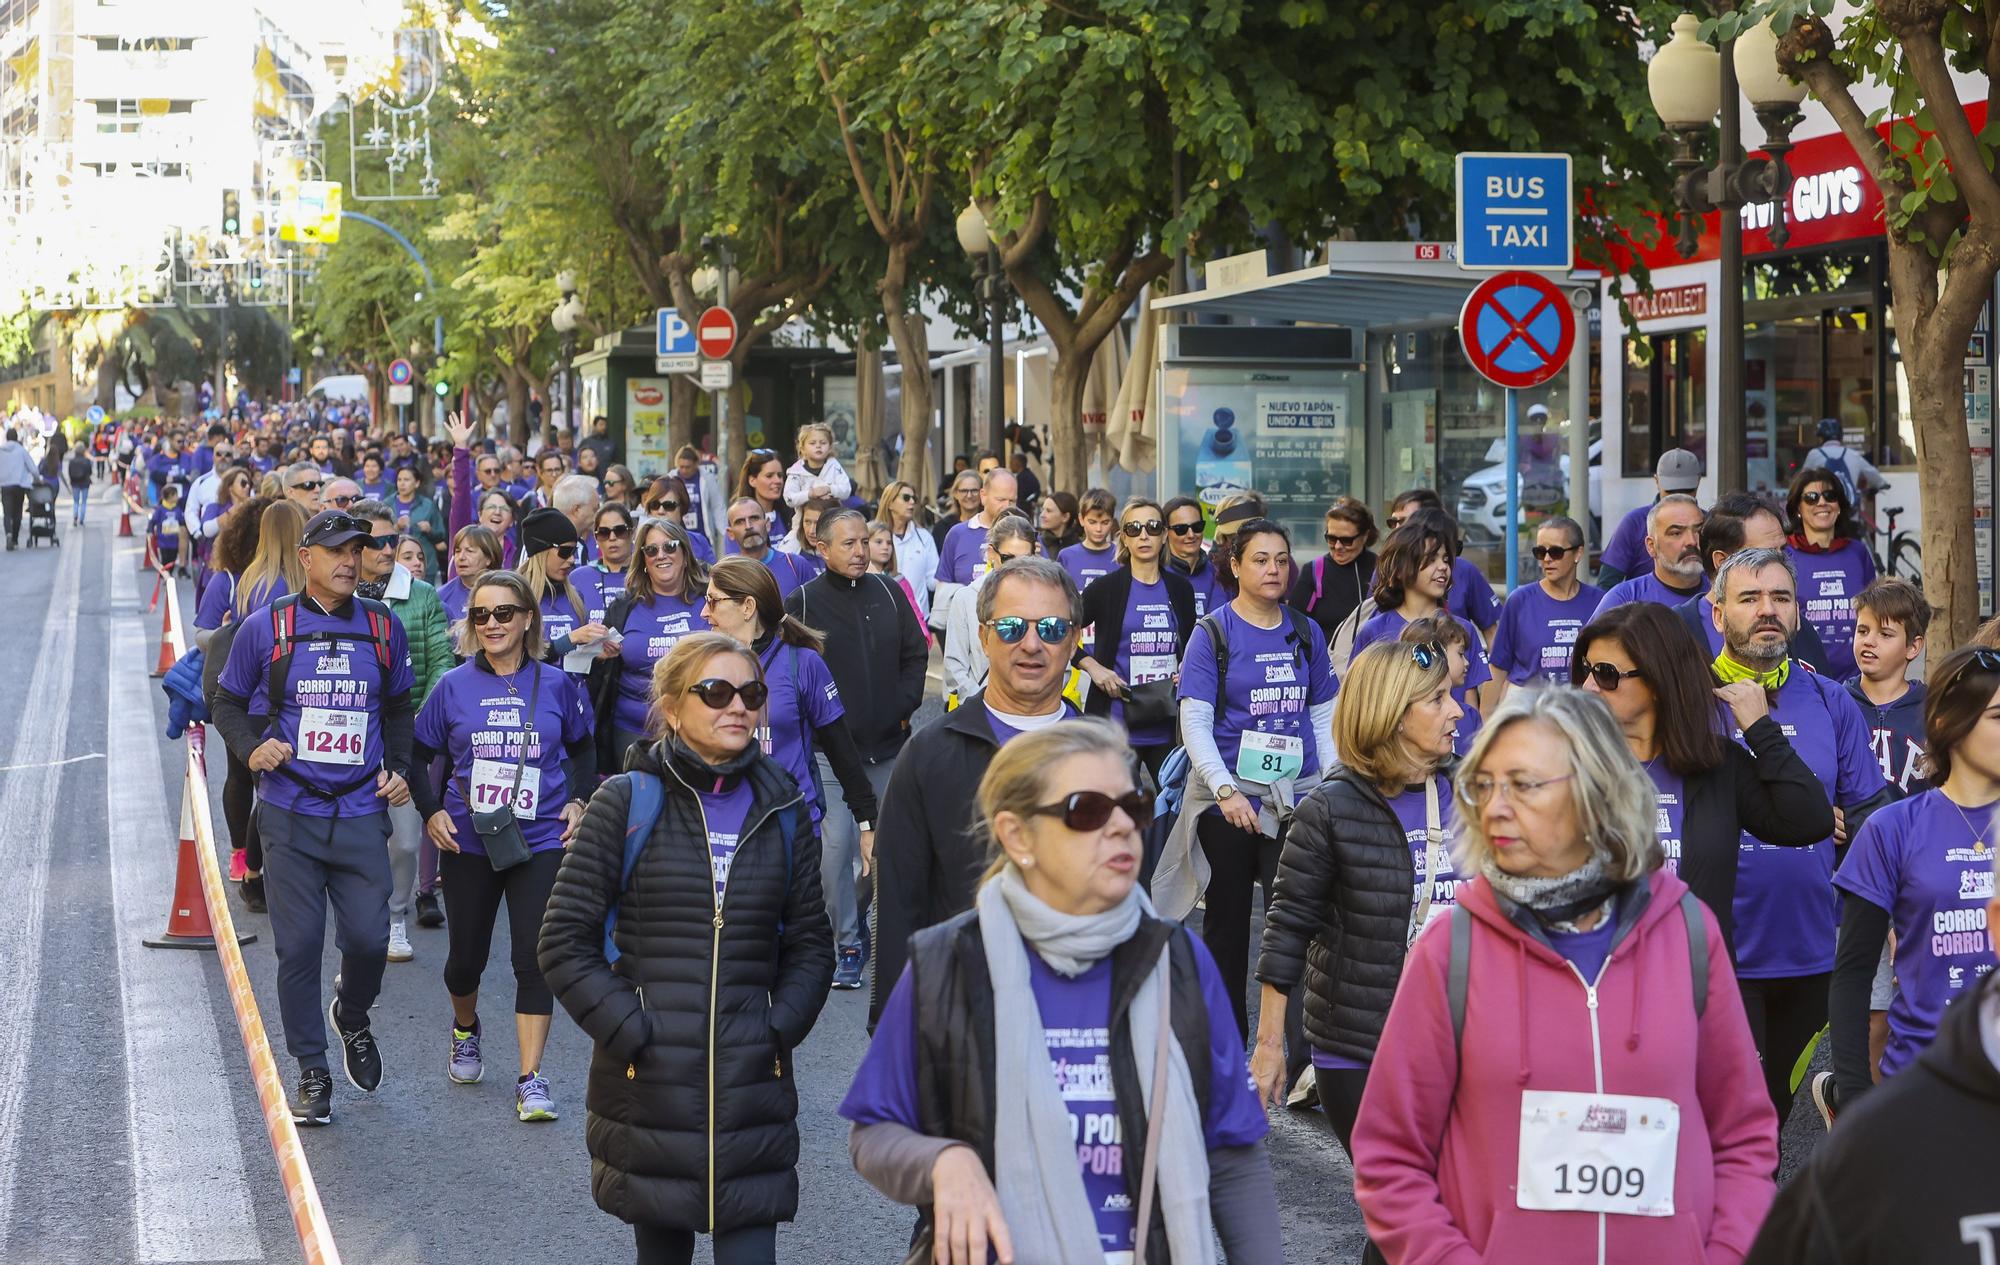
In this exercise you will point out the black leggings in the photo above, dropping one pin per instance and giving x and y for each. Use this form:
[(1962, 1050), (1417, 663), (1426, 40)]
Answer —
[(475, 889), (1237, 862), (1340, 1091), (1156, 838), (239, 796), (1784, 1015), (670, 1245)]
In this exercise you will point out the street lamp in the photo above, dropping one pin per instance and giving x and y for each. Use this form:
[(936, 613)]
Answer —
[(991, 287), (1689, 82), (565, 317)]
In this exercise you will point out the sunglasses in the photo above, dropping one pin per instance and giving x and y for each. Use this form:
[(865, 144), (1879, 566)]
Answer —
[(1988, 660), (1011, 628), (505, 613), (1089, 810), (660, 509), (1558, 552), (1341, 542), (658, 547), (1395, 521), (565, 551), (907, 496), (717, 692), (341, 502), (389, 541), (1815, 496), (313, 486), (1006, 558), (1426, 654), (1150, 527), (763, 452), (616, 531), (1185, 529), (1606, 676)]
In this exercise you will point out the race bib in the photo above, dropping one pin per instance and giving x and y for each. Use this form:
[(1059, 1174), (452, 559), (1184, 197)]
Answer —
[(1597, 1153), (1269, 758), (332, 735), (493, 779), (691, 521), (1152, 667)]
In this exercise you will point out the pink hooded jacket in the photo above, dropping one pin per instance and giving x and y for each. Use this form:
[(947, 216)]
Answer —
[(1437, 1143)]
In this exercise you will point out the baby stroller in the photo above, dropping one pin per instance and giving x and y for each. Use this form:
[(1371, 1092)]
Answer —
[(42, 515)]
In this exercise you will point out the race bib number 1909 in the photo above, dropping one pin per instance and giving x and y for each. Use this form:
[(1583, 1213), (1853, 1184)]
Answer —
[(1597, 1153)]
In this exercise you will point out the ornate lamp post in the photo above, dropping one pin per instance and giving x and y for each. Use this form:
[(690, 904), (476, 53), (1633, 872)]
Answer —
[(991, 286)]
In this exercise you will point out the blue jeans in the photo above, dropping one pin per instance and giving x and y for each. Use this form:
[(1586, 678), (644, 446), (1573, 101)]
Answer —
[(840, 849), (79, 500)]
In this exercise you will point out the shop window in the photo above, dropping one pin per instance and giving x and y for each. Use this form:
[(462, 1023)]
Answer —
[(1666, 398), (1799, 369)]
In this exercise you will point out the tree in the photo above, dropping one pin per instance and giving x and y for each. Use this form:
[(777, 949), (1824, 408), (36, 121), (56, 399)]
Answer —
[(1942, 203)]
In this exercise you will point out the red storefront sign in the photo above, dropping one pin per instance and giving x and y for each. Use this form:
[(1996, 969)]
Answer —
[(1673, 302)]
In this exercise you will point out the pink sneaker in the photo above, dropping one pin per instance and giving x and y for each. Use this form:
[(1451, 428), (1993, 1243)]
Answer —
[(239, 865)]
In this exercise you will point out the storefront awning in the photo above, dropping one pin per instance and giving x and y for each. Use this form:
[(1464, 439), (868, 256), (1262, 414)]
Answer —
[(1345, 292)]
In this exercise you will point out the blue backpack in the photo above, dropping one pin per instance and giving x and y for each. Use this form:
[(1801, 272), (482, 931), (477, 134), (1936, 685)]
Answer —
[(647, 797), (1838, 465)]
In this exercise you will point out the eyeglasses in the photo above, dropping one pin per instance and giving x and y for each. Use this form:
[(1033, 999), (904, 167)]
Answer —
[(1815, 496), (1185, 529), (1606, 675), (1149, 527), (616, 531), (1558, 552), (669, 546), (314, 486), (1011, 628), (1089, 810), (505, 613), (1480, 789), (717, 692), (1341, 542), (1426, 654)]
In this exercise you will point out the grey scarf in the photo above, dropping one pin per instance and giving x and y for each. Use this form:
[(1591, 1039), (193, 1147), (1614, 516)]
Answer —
[(1553, 901), (1041, 1191)]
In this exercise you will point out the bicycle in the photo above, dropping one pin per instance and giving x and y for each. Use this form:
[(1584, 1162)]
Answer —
[(1905, 557)]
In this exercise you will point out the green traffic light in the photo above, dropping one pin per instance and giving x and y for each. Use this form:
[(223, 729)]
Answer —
[(442, 388)]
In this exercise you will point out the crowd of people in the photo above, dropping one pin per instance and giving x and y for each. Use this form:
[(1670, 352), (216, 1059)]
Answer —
[(1682, 830)]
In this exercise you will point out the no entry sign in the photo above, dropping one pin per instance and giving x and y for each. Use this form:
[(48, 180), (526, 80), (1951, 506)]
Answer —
[(715, 332), (1517, 328)]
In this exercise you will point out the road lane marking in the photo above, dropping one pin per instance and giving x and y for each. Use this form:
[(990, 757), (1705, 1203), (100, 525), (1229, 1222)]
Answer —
[(52, 764), (191, 1196), (28, 809)]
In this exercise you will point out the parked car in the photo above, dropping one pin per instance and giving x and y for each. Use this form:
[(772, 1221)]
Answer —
[(1482, 497)]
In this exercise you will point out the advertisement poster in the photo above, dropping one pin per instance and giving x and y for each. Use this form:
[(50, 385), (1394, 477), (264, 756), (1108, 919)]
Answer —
[(646, 449), (1293, 436), (840, 399), (1979, 431)]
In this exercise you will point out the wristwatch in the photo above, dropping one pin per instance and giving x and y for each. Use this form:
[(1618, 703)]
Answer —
[(864, 825), (1224, 792)]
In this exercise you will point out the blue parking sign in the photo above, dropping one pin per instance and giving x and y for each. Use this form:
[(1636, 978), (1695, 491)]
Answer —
[(672, 335), (1515, 211)]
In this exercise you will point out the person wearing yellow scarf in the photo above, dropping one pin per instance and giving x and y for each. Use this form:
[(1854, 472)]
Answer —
[(1728, 670)]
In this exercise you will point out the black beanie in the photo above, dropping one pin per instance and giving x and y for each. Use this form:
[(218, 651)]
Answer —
[(545, 528)]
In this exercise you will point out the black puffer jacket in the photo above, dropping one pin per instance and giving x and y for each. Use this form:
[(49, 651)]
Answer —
[(693, 1113), (1340, 913)]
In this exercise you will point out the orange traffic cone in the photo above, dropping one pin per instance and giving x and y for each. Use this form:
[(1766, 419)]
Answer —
[(166, 636), (188, 926), (124, 517)]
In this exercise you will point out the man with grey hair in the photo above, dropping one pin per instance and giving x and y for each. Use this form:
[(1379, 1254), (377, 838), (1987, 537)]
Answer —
[(879, 659), (303, 481), (964, 653), (576, 497), (1673, 540), (1784, 905), (928, 860)]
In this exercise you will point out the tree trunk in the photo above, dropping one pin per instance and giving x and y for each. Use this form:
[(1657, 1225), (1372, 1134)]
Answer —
[(683, 398), (107, 382), (517, 407), (1944, 468), (913, 355), (1069, 469)]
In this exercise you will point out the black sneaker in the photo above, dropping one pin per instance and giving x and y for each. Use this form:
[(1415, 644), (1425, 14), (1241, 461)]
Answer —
[(430, 911), (252, 891), (360, 1058), (313, 1104)]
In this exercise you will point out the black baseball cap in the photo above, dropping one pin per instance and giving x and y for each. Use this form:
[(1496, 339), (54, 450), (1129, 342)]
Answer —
[(333, 528)]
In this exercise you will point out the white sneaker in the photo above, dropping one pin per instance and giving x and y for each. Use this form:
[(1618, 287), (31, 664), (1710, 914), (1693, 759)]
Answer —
[(399, 942)]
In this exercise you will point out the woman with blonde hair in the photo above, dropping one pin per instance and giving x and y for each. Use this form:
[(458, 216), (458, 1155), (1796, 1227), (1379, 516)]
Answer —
[(550, 549), (725, 863), (1146, 1144), (882, 561), (1572, 1041), (275, 569), (916, 548)]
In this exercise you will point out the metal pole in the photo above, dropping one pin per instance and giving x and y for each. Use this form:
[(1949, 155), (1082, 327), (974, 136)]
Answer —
[(1727, 457), (725, 455), (1579, 433), (996, 373), (1513, 477)]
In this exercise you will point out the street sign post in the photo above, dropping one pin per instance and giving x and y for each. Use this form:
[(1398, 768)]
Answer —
[(715, 333), (402, 393), (95, 415), (675, 349), (717, 375), (1515, 211), (1517, 329), (401, 374)]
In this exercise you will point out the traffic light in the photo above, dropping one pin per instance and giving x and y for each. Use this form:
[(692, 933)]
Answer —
[(232, 212), (442, 388)]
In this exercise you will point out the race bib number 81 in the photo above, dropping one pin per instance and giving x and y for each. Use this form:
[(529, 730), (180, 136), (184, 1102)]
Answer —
[(1269, 758), (1597, 1153)]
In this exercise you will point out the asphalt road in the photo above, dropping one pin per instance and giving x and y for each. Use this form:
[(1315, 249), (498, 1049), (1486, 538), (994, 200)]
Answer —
[(129, 1127)]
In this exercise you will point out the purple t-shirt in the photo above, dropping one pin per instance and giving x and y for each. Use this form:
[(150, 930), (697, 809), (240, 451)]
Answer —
[(1075, 1018), (1786, 912), (651, 629), (1538, 632), (559, 618), (1208, 591), (218, 600), (165, 527), (1626, 551), (329, 706), (1931, 868), (791, 570), (1273, 684), (479, 724), (1586, 950), (1644, 588), (1085, 564), (722, 816), (597, 588), (1145, 652), (454, 598), (1389, 626), (1471, 598), (803, 698), (1669, 803), (1828, 584), (962, 557)]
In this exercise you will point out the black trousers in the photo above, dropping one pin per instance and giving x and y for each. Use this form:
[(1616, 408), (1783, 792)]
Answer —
[(476, 889), (1237, 863), (11, 501), (1784, 1015), (1340, 1090), (1155, 839), (669, 1245), (239, 796)]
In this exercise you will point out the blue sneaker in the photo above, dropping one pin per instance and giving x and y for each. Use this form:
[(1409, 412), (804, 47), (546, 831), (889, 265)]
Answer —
[(466, 1067), (532, 1100), (847, 968)]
